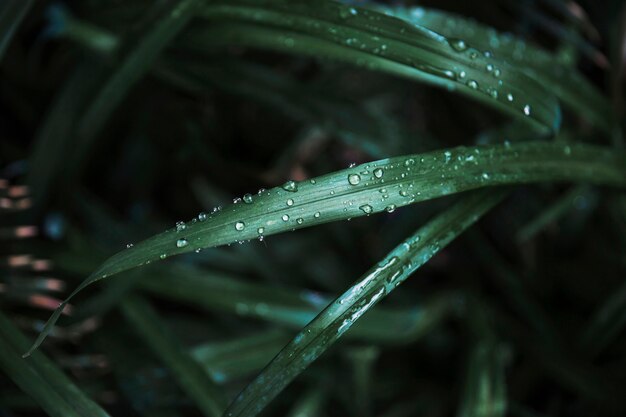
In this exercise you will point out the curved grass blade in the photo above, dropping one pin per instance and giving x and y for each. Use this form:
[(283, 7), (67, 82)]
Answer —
[(367, 189), (374, 285), (41, 379), (375, 41), (192, 379), (12, 12), (563, 81)]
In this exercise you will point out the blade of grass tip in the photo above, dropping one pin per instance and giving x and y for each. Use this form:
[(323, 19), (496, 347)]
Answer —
[(367, 189), (191, 378), (338, 317), (12, 12), (171, 18), (41, 379), (565, 82), (373, 40)]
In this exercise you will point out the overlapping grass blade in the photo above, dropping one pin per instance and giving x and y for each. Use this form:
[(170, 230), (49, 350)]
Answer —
[(374, 285), (41, 379), (288, 308), (367, 189), (12, 12), (564, 81), (373, 40), (192, 379)]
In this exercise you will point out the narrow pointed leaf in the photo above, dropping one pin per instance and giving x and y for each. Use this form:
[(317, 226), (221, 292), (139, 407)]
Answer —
[(12, 12), (374, 285), (378, 42), (367, 189)]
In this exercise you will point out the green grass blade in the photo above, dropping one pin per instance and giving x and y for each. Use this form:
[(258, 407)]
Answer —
[(12, 12), (367, 189), (373, 40), (565, 82), (288, 308), (41, 379), (171, 19), (374, 285), (191, 378)]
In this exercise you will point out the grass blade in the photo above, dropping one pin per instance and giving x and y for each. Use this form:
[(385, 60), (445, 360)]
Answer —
[(565, 82), (190, 377), (329, 29), (374, 285), (366, 189), (41, 379), (12, 12)]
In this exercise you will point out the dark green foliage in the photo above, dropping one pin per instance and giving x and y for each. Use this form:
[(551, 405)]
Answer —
[(476, 150)]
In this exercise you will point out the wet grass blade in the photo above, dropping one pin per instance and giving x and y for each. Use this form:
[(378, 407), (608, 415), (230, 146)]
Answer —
[(374, 285), (41, 379), (378, 42), (367, 189), (563, 81), (191, 378), (12, 12)]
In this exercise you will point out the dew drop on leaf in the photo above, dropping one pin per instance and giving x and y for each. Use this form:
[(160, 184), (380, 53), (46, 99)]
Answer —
[(202, 216), (180, 226), (390, 208), (247, 198), (290, 202), (285, 218), (181, 243), (378, 172), (290, 186), (366, 208), (354, 179), (299, 220), (527, 110), (317, 215), (240, 226), (458, 45)]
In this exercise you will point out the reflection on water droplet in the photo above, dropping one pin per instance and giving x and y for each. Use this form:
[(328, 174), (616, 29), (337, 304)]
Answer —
[(366, 208), (181, 243), (290, 186), (290, 202), (472, 84), (240, 226), (509, 97), (285, 217), (202, 216), (317, 215), (180, 226), (527, 110), (378, 172), (299, 220), (129, 245), (162, 256), (354, 179), (390, 208), (458, 45), (247, 198)]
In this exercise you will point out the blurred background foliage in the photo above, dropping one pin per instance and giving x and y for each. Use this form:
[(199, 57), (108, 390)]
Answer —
[(116, 121)]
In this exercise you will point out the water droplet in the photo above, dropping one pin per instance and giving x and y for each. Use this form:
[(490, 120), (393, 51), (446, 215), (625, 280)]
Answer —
[(509, 97), (497, 72), (489, 67), (485, 175), (458, 45), (180, 226), (202, 216), (236, 200), (285, 218), (313, 181), (129, 245), (409, 162), (492, 92), (472, 84), (390, 208), (162, 256), (403, 193), (290, 186), (317, 215), (290, 202), (352, 165), (299, 220), (378, 172), (366, 208), (247, 198), (181, 243), (260, 230), (354, 179), (527, 110), (240, 226), (198, 250)]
